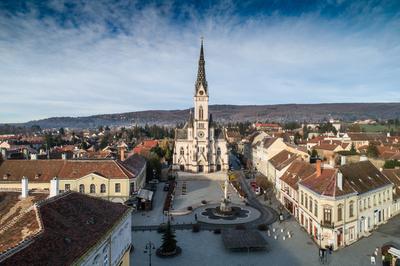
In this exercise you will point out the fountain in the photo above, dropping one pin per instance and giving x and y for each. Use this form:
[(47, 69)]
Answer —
[(225, 210), (225, 206)]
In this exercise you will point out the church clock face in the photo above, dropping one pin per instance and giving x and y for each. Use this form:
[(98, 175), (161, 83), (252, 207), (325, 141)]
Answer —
[(200, 134)]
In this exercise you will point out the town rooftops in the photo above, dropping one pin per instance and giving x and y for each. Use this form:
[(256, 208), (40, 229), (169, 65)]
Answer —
[(363, 176), (45, 170), (326, 184), (296, 172), (268, 142), (283, 159), (394, 176), (59, 230)]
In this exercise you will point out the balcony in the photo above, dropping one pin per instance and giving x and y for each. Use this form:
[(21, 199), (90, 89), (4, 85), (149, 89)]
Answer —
[(327, 224)]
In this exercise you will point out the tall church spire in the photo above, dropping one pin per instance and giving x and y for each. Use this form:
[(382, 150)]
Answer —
[(201, 72)]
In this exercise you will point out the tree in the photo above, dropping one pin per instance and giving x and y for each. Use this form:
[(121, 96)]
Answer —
[(372, 151), (168, 240), (61, 131), (390, 164), (353, 148), (314, 153)]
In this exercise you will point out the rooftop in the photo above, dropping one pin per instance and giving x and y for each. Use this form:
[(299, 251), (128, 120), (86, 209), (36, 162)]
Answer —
[(59, 230)]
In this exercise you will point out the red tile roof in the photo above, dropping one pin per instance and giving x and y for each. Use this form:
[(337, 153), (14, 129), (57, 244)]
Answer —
[(296, 172), (283, 159), (72, 223), (45, 170)]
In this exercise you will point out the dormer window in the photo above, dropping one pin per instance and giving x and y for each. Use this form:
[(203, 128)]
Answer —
[(37, 176), (5, 177)]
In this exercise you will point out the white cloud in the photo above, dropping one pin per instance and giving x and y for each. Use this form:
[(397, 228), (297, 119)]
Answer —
[(52, 70)]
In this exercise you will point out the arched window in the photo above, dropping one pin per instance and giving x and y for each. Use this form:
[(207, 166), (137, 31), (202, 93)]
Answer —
[(200, 113), (182, 151), (102, 188), (315, 208), (82, 188), (92, 188), (218, 151)]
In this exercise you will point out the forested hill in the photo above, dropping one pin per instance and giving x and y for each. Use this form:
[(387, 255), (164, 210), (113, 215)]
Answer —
[(232, 113)]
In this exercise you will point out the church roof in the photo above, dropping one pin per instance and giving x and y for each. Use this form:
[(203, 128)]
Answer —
[(201, 72)]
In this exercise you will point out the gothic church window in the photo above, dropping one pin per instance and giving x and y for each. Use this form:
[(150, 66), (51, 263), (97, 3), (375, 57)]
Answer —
[(200, 113), (182, 151)]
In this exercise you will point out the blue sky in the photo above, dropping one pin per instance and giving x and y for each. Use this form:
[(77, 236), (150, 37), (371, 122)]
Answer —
[(76, 58)]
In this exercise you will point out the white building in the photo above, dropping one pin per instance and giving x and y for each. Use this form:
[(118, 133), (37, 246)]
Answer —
[(199, 146)]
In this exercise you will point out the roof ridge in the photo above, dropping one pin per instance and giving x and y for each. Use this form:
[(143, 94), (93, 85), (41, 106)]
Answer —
[(120, 167)]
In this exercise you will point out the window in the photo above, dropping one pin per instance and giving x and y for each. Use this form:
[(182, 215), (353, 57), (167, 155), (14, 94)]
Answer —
[(218, 151), (351, 231), (351, 209), (327, 215), (201, 125), (200, 113), (360, 205), (365, 204), (379, 197), (102, 188), (118, 187), (182, 151), (316, 208), (67, 187), (369, 203), (302, 198), (82, 188), (306, 205), (92, 188), (339, 212), (310, 205), (374, 200)]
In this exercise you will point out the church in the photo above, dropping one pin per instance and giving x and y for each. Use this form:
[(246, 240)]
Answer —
[(199, 145)]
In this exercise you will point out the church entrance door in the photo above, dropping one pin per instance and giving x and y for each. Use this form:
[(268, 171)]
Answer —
[(201, 168), (218, 167)]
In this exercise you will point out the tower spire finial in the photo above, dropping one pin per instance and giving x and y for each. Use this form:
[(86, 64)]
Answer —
[(201, 73)]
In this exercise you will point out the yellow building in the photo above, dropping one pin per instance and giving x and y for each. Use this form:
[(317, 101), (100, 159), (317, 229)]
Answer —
[(340, 205), (113, 180)]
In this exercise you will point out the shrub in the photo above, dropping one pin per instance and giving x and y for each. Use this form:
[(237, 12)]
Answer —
[(262, 227), (240, 227), (195, 228), (161, 228), (217, 231)]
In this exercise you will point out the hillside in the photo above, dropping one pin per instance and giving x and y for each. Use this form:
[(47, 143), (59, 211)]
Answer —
[(230, 113)]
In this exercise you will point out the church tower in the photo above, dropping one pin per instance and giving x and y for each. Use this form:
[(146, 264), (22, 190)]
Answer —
[(199, 147), (201, 100)]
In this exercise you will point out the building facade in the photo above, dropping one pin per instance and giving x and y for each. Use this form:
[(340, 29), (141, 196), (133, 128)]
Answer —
[(199, 146)]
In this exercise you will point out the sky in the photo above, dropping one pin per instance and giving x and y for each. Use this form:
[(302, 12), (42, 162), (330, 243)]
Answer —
[(78, 58)]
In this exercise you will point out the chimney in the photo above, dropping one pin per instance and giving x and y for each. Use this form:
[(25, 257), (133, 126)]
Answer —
[(33, 156), (64, 156), (24, 187), (339, 180), (318, 167), (122, 153), (363, 158), (54, 187), (342, 160)]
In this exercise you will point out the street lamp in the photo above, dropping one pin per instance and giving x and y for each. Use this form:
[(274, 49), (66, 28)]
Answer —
[(148, 249)]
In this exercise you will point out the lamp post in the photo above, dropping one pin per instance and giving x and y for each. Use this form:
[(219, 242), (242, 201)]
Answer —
[(149, 249)]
